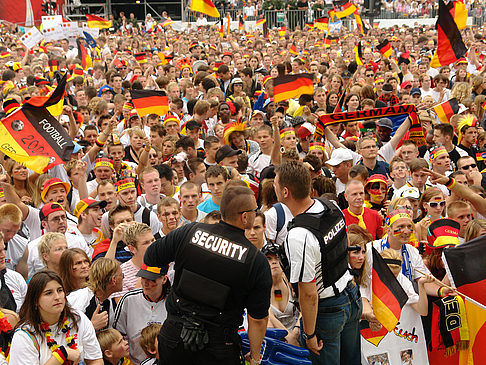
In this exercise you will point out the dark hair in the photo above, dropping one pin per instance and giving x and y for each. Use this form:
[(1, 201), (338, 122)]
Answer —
[(445, 129), (185, 142), (165, 171), (209, 140), (191, 166), (29, 312), (217, 170), (118, 209), (66, 264), (234, 200)]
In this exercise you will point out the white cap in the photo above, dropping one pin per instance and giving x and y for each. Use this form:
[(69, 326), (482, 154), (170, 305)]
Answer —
[(339, 155)]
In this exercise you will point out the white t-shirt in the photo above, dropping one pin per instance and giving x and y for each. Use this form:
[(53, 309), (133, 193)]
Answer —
[(133, 313), (257, 162), (18, 287), (15, 250), (304, 254), (80, 299), (24, 351), (92, 185), (34, 223), (271, 223), (34, 261), (155, 224)]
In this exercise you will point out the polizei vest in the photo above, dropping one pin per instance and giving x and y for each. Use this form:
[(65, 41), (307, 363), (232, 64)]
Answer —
[(329, 227)]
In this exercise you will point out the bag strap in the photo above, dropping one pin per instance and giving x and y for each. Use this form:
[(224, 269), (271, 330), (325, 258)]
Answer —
[(280, 218), (32, 337)]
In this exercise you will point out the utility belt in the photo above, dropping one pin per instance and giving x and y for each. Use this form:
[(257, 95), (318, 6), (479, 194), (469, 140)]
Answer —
[(346, 291)]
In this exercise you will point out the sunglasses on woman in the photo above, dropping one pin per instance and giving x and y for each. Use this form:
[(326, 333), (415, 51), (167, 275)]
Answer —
[(436, 204)]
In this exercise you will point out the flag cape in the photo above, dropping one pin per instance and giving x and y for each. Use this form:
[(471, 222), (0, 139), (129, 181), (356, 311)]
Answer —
[(388, 295), (95, 21), (322, 23), (206, 7), (465, 265), (33, 137), (289, 86), (450, 46), (458, 11), (150, 102), (385, 48), (446, 110)]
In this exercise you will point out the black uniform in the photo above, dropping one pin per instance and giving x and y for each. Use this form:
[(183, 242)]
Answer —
[(218, 273)]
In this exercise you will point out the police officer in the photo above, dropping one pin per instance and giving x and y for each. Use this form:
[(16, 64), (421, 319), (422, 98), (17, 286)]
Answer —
[(218, 273), (316, 247)]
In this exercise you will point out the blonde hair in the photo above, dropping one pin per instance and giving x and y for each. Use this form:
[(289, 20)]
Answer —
[(39, 182), (106, 339), (395, 203), (461, 91), (97, 106), (473, 228), (10, 212), (136, 131), (133, 231), (389, 253), (46, 243), (101, 272), (147, 338)]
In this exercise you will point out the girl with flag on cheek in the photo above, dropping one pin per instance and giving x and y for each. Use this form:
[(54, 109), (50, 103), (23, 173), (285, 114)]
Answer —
[(376, 189)]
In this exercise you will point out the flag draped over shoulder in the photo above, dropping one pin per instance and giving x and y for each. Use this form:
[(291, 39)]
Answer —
[(95, 21), (206, 7), (388, 295), (446, 110), (290, 86), (33, 137), (150, 102), (465, 265), (450, 46)]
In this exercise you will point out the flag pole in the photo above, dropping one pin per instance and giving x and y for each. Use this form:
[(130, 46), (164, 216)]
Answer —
[(455, 290)]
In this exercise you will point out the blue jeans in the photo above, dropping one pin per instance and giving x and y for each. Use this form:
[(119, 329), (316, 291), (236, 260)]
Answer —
[(338, 327)]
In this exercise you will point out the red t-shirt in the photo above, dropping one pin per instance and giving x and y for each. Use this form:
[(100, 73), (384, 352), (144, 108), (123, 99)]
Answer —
[(372, 220)]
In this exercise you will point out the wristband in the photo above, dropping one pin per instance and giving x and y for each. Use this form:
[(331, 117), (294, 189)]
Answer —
[(440, 292), (148, 149), (60, 354), (259, 361), (450, 183), (99, 143)]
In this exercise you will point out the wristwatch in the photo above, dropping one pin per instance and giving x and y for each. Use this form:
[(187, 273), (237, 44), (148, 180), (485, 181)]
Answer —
[(307, 337)]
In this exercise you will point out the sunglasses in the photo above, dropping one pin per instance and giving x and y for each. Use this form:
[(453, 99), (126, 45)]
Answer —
[(247, 211), (436, 204), (467, 167)]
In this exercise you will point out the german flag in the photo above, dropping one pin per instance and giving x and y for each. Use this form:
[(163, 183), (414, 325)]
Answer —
[(261, 21), (141, 57), (359, 23), (446, 110), (95, 21), (465, 267), (83, 54), (374, 337), (481, 156), (385, 48), (358, 54), (293, 50), (310, 25), (163, 60), (241, 23), (206, 7), (450, 46), (289, 86), (33, 137), (342, 11), (327, 43), (150, 102), (54, 102), (388, 295), (167, 22), (53, 67), (459, 13), (322, 23), (221, 29), (443, 233), (282, 31)]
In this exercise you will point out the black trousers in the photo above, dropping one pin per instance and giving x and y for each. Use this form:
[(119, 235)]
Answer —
[(221, 349)]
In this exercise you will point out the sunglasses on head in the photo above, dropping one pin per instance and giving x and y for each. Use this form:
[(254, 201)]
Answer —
[(436, 204)]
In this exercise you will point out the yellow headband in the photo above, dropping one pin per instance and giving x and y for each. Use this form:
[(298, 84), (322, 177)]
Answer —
[(396, 214), (436, 152)]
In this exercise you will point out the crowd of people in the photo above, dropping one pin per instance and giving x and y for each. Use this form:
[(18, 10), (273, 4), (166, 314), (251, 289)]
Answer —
[(81, 276)]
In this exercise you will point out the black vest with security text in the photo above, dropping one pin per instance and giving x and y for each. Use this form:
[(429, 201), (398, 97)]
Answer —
[(212, 273), (329, 227)]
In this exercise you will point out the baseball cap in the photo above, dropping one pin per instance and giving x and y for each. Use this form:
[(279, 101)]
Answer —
[(346, 74), (411, 193), (152, 272), (405, 84), (48, 209), (385, 122), (52, 182), (225, 151), (133, 114), (255, 112), (77, 147), (192, 124), (88, 203), (339, 155), (415, 91)]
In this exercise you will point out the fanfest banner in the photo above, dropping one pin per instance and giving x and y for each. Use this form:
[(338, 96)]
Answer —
[(405, 345), (396, 113)]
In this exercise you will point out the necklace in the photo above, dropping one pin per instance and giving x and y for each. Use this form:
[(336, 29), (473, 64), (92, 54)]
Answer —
[(53, 346)]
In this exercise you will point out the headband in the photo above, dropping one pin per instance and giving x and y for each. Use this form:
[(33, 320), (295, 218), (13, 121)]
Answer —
[(396, 214), (124, 184), (393, 262), (286, 132), (106, 162), (436, 153), (316, 146)]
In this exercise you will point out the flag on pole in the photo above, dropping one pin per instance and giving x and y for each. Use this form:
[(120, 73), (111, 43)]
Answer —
[(388, 295), (342, 11), (289, 86), (322, 24), (446, 110), (458, 12), (150, 102), (359, 23), (261, 21), (206, 7), (241, 23), (83, 54), (293, 50), (95, 21), (450, 46), (385, 48)]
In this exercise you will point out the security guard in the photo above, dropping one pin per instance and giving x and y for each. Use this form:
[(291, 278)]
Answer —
[(218, 273)]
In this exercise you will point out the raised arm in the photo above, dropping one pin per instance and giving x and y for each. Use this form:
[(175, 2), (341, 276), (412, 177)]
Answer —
[(400, 133)]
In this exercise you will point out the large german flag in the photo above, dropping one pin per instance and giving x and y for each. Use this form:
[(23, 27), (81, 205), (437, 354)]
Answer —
[(33, 137), (446, 110), (150, 102), (95, 21), (342, 11), (450, 46), (289, 86), (388, 295), (359, 23), (54, 102), (83, 54), (385, 48), (459, 13), (465, 265), (206, 7)]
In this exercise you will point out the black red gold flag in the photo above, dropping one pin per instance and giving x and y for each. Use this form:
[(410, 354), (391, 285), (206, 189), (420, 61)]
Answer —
[(290, 86), (446, 110), (373, 337), (388, 295), (150, 102), (385, 48), (293, 50)]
